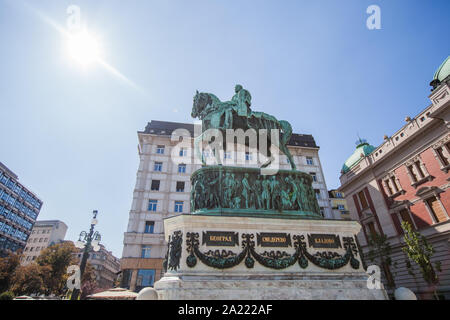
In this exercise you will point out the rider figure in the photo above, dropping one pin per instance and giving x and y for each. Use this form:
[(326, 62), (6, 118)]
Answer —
[(242, 101)]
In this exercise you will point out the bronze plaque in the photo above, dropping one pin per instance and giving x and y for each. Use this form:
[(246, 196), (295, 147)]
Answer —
[(324, 241), (270, 239), (220, 238)]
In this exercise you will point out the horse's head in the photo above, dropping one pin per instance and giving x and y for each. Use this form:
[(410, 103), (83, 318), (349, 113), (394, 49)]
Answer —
[(201, 100)]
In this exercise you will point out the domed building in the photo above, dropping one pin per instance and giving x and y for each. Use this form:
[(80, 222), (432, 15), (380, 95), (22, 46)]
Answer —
[(363, 149), (441, 74), (406, 179)]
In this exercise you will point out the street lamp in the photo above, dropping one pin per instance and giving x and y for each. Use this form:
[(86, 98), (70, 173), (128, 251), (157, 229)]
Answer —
[(87, 241)]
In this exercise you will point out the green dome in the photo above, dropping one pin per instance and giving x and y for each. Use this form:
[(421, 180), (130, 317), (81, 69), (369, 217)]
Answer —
[(441, 73), (363, 149)]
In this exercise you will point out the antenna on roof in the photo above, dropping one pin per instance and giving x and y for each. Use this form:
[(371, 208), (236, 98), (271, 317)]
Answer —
[(360, 141)]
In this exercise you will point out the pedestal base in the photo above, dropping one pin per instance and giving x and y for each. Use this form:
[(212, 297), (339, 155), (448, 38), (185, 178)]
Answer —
[(325, 287), (253, 258)]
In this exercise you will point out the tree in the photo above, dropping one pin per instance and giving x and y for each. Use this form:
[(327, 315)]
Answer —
[(8, 265), (57, 258), (88, 282), (420, 251), (381, 248), (28, 280)]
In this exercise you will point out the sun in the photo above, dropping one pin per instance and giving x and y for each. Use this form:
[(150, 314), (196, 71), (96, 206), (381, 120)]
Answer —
[(83, 48)]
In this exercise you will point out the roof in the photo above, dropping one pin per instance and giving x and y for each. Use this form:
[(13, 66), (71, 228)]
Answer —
[(363, 149), (441, 73), (166, 128), (41, 223), (8, 171)]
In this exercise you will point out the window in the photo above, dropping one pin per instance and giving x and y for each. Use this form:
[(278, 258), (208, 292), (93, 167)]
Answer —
[(152, 204), (372, 230), (158, 166), (227, 155), (436, 210), (341, 207), (412, 173), (404, 215), (443, 154), (388, 187), (416, 171), (178, 206), (145, 253), (314, 176), (318, 196), (322, 212), (149, 226), (309, 161), (145, 278), (182, 168), (419, 169), (126, 278), (362, 200), (338, 195), (248, 156), (155, 185), (183, 152), (160, 149), (180, 186)]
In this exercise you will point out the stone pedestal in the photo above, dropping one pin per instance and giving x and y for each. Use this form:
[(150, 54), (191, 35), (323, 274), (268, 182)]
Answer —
[(226, 257)]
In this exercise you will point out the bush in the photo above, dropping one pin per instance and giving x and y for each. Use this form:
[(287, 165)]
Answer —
[(7, 295)]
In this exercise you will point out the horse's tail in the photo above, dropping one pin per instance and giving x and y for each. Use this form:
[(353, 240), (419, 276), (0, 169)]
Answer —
[(286, 130)]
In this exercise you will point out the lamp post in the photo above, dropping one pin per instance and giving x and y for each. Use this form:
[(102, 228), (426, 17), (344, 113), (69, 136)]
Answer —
[(88, 241)]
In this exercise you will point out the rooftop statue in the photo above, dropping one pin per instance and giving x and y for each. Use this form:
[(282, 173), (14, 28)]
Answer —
[(237, 114)]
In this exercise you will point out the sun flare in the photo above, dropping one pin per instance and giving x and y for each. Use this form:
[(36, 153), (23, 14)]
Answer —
[(83, 48)]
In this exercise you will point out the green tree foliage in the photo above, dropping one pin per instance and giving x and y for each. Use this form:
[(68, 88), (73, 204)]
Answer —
[(7, 295), (8, 265), (28, 280), (56, 258), (380, 249), (420, 251)]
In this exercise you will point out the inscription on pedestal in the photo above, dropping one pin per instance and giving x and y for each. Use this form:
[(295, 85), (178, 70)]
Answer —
[(220, 238), (324, 241), (269, 239)]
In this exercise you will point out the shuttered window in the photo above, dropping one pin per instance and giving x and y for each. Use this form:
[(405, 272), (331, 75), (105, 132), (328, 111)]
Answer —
[(362, 199), (436, 209)]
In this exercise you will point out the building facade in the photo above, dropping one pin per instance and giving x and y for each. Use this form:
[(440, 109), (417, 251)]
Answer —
[(44, 234), (106, 266), (163, 190), (338, 205), (407, 178), (19, 209)]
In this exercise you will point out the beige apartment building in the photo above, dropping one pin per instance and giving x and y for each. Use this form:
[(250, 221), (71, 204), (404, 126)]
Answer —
[(163, 190), (407, 178), (44, 234), (106, 266)]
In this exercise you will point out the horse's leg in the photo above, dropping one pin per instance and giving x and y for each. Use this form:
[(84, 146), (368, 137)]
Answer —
[(288, 154), (197, 149)]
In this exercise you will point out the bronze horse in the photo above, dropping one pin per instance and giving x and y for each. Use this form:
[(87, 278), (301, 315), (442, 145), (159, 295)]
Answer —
[(216, 114)]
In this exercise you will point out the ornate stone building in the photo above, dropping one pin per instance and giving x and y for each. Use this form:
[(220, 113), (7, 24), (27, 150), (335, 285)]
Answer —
[(163, 190), (407, 178), (44, 234)]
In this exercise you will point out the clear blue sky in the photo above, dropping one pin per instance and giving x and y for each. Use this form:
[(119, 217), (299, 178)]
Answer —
[(70, 134)]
